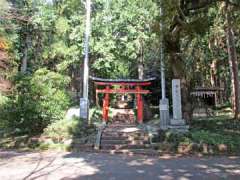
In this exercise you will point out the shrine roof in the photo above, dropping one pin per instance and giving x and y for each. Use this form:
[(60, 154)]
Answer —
[(103, 81), (208, 89)]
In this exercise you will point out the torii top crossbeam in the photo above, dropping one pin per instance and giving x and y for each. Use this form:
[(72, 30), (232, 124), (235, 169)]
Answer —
[(129, 82)]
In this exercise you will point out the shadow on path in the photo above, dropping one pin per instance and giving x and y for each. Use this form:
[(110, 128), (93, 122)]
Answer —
[(116, 167), (92, 166)]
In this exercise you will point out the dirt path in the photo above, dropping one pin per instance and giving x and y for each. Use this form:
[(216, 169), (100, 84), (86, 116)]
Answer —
[(65, 166)]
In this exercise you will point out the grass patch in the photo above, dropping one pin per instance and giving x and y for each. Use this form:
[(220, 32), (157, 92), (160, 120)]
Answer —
[(221, 132), (212, 135), (58, 135)]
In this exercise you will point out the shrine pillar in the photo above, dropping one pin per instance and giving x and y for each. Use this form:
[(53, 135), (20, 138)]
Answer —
[(106, 104), (139, 105)]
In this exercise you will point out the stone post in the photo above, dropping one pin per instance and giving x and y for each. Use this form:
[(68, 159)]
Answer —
[(177, 122), (164, 114)]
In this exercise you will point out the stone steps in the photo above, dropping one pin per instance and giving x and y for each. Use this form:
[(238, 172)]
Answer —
[(130, 152), (125, 139), (124, 146), (82, 147), (119, 125), (116, 142), (122, 131), (123, 134), (108, 137), (122, 137)]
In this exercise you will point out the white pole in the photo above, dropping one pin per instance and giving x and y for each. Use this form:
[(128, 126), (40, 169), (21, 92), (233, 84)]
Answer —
[(86, 49), (163, 82), (84, 103), (164, 103)]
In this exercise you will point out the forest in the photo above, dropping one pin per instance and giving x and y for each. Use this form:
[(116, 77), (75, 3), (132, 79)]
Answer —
[(42, 53)]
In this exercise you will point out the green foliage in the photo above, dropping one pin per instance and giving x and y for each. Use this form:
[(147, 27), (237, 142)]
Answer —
[(119, 33), (3, 102), (95, 115), (62, 25), (217, 130), (4, 6), (177, 138), (203, 141), (218, 134), (63, 133), (61, 130), (38, 100), (215, 139), (3, 99), (209, 138), (123, 33)]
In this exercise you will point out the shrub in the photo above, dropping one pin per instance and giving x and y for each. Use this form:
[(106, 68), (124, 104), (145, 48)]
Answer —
[(176, 138), (37, 100), (61, 130), (3, 102), (3, 99), (215, 139), (208, 137), (95, 115), (68, 132)]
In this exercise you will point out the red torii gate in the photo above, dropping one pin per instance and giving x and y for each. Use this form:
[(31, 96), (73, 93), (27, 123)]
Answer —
[(127, 86)]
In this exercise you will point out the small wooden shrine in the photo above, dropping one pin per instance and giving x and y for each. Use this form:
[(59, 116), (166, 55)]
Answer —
[(209, 95), (122, 86)]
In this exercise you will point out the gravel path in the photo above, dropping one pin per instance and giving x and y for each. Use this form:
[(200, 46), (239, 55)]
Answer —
[(66, 166)]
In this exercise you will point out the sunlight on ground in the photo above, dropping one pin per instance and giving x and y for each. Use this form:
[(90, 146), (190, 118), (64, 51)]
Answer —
[(72, 112), (170, 156), (133, 129), (59, 165), (141, 162), (48, 165), (202, 166)]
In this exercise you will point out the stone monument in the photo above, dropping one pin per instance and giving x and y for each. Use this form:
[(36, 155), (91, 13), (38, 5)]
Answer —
[(164, 114), (177, 123), (84, 107)]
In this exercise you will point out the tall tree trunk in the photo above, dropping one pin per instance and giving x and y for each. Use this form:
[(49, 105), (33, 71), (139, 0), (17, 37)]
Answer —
[(179, 73), (178, 70), (25, 54), (232, 57), (140, 62), (214, 73)]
